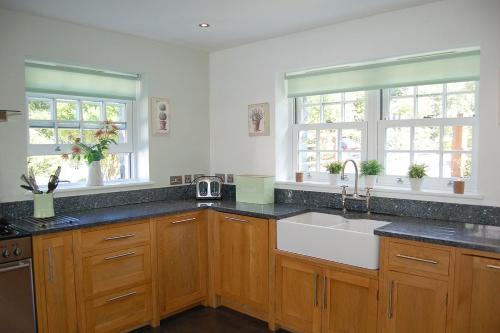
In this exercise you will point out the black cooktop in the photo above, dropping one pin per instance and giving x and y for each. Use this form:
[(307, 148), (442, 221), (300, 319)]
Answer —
[(7, 230)]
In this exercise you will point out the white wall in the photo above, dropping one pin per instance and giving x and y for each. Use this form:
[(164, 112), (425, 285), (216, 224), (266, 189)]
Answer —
[(251, 74), (178, 73)]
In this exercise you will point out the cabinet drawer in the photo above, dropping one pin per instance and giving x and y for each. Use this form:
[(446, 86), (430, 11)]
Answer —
[(120, 311), (418, 259), (113, 237), (118, 269)]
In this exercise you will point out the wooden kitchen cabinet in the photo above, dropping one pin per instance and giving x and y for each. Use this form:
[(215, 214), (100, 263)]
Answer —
[(242, 263), (477, 293), (182, 261), (55, 283)]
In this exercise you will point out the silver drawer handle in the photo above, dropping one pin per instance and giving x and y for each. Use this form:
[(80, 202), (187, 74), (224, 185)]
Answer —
[(120, 256), (119, 237), (121, 296), (235, 219), (493, 266), (185, 220), (417, 259), (11, 268)]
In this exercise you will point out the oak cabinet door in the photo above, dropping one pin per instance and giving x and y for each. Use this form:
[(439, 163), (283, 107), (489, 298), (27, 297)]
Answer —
[(243, 260), (415, 304), (349, 303), (298, 294), (477, 296), (182, 261), (55, 283)]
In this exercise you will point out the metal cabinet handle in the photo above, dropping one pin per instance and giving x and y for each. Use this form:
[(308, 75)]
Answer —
[(493, 266), (119, 237), (51, 265), (325, 281), (185, 220), (235, 219), (316, 276), (120, 255), (121, 296), (11, 268), (417, 259), (391, 287)]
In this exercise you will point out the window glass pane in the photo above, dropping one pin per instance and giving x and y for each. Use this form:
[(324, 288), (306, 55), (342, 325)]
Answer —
[(91, 111), (397, 138), (307, 161), (457, 165), (310, 114), (356, 156), (67, 135), (116, 166), (122, 136), (42, 136), (307, 140), (430, 107), (66, 110), (426, 138), (325, 159), (332, 98), (461, 86), (430, 89), (355, 96), (429, 159), (351, 140), (457, 137), (311, 99), (116, 112), (89, 136), (461, 105), (40, 109), (328, 139), (396, 164), (401, 108), (332, 113), (355, 111), (402, 91)]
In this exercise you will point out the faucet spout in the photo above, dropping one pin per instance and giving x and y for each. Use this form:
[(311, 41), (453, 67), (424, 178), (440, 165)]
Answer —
[(355, 194)]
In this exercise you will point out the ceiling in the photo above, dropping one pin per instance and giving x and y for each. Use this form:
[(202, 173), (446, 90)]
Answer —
[(233, 22)]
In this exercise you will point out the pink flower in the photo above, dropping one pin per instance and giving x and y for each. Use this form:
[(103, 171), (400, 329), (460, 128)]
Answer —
[(65, 156), (76, 150)]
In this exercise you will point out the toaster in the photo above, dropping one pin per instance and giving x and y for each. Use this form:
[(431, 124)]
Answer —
[(208, 187)]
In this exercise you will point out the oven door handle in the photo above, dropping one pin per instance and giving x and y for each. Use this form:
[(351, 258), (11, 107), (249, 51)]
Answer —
[(11, 268)]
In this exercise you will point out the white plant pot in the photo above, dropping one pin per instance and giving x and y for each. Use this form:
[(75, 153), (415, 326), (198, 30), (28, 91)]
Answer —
[(334, 178), (416, 184), (94, 177), (370, 181)]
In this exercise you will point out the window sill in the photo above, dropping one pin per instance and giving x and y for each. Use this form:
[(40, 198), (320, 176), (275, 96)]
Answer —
[(386, 191), (71, 189)]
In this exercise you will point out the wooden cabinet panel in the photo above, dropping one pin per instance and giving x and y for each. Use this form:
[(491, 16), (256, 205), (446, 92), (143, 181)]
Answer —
[(120, 311), (349, 302), (297, 294), (418, 259), (109, 237), (182, 261), (242, 255), (477, 296), (54, 283), (103, 273), (415, 304)]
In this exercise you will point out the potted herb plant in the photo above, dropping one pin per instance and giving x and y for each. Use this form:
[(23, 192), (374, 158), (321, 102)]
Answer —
[(370, 170), (334, 170), (416, 173), (94, 153)]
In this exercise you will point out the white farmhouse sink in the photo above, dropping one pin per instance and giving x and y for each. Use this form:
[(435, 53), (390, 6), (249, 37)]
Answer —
[(331, 237)]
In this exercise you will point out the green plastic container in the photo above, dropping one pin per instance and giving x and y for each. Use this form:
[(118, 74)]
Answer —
[(255, 189)]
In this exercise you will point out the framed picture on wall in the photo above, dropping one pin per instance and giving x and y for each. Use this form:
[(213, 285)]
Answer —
[(160, 115), (258, 119)]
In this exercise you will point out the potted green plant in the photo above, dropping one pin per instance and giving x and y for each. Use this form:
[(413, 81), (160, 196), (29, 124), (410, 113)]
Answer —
[(94, 153), (416, 173), (334, 170), (370, 170)]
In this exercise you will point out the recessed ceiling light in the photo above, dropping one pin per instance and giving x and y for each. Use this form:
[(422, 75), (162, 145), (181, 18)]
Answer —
[(203, 25)]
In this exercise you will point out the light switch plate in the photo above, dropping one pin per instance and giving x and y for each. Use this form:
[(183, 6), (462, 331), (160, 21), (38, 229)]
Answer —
[(187, 179), (230, 178)]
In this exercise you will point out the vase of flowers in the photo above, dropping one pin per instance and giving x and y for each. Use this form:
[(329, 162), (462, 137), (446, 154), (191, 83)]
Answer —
[(94, 153)]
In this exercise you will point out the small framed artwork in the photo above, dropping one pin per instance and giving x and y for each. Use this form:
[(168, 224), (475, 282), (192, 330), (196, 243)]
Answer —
[(160, 115), (258, 119)]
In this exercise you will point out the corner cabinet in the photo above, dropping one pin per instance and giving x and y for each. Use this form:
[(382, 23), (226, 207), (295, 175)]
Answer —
[(55, 283)]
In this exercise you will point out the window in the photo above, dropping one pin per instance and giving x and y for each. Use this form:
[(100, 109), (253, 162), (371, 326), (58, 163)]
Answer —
[(329, 128), (54, 121)]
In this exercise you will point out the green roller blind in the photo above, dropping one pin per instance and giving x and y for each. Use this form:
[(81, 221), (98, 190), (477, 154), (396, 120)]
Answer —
[(65, 80), (428, 69)]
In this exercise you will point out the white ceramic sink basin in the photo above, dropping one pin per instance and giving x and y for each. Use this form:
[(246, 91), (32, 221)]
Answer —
[(331, 237)]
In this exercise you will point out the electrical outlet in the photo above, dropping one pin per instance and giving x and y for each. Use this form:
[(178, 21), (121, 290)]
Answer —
[(175, 180), (230, 178), (187, 179), (221, 176)]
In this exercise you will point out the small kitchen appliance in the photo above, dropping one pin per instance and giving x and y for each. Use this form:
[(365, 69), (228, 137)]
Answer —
[(208, 187)]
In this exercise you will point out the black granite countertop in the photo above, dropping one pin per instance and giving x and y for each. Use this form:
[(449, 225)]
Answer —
[(473, 236)]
